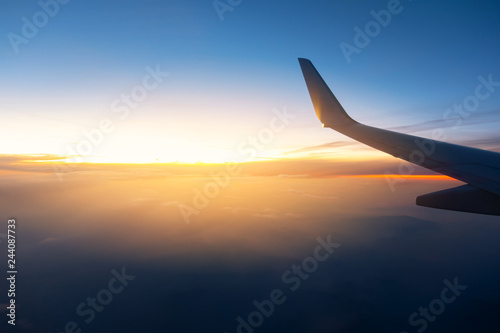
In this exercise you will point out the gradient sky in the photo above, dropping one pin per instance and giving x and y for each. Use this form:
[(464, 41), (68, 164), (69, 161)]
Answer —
[(228, 80), (226, 76)]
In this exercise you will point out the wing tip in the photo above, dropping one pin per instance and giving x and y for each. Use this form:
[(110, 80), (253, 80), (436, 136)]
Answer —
[(328, 109)]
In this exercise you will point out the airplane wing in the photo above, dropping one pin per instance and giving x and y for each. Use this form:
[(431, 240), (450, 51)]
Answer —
[(480, 169)]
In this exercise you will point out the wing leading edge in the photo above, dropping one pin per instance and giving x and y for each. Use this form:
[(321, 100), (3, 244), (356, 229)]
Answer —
[(480, 169)]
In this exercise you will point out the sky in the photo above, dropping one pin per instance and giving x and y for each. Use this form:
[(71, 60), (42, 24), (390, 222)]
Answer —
[(225, 77), (163, 158)]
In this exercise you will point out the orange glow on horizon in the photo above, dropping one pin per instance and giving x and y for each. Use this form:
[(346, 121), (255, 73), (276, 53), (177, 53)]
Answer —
[(429, 177)]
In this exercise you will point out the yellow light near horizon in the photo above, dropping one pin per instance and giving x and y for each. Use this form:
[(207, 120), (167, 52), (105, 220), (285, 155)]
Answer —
[(170, 154), (190, 153)]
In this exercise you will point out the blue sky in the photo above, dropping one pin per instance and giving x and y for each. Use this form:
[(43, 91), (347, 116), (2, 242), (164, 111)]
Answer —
[(230, 74)]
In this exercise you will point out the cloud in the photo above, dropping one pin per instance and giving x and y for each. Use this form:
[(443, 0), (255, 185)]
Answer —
[(284, 168), (384, 272), (142, 201), (266, 213), (29, 162), (294, 176), (314, 196), (492, 143), (48, 240), (236, 210), (172, 203), (474, 119), (334, 144)]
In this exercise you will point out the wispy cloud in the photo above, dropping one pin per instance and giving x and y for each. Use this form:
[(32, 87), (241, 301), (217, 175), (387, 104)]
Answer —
[(492, 143), (334, 144), (476, 119), (310, 195), (317, 166), (294, 176)]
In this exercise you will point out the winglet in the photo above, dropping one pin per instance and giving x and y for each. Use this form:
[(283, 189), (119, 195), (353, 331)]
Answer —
[(328, 109)]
